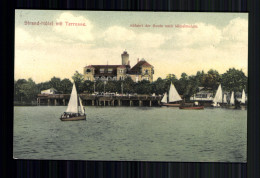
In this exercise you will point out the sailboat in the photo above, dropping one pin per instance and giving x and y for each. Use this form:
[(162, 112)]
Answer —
[(75, 110), (173, 97), (218, 97), (232, 99), (243, 100), (224, 103), (231, 104)]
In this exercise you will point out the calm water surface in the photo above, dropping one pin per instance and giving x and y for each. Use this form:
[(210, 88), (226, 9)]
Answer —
[(131, 133)]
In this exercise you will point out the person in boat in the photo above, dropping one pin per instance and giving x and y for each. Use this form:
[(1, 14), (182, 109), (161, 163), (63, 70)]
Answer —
[(64, 115)]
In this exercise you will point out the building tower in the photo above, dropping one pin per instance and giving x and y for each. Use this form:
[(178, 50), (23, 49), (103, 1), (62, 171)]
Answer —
[(125, 58)]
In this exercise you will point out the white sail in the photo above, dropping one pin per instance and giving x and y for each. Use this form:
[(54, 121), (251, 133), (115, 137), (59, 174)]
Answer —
[(164, 99), (218, 96), (232, 99), (243, 99), (73, 102), (81, 106), (225, 98), (173, 94)]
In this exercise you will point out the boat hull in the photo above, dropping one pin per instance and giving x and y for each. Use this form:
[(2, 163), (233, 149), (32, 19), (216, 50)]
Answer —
[(192, 107), (78, 118), (171, 105)]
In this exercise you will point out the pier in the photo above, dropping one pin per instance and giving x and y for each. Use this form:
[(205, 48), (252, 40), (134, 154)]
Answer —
[(100, 100)]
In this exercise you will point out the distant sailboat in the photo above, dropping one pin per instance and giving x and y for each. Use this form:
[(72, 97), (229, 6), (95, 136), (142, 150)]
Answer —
[(243, 99), (218, 97), (232, 99), (74, 112), (173, 97), (164, 99), (231, 104), (225, 99)]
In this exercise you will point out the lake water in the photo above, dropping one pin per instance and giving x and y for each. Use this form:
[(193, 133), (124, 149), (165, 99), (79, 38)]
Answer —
[(132, 133)]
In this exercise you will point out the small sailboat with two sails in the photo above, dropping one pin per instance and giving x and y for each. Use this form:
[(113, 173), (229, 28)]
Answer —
[(172, 99), (75, 110)]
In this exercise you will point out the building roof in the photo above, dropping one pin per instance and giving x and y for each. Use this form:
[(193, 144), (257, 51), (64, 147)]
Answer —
[(89, 66), (107, 66), (137, 68)]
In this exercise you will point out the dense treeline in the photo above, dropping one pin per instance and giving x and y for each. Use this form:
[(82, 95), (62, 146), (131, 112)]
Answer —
[(232, 80)]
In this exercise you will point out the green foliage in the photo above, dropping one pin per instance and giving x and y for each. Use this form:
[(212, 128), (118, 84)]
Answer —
[(211, 79), (65, 86), (234, 80), (88, 86), (56, 83), (128, 85), (171, 78), (159, 86), (112, 86), (100, 86), (143, 87), (25, 90), (78, 78)]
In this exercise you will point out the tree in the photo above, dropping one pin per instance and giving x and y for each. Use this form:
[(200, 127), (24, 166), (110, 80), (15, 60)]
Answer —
[(17, 89), (182, 85), (194, 82), (234, 80), (88, 86), (66, 86), (159, 86), (99, 86), (211, 79), (43, 86), (78, 78), (199, 77), (128, 85), (56, 83), (28, 91), (143, 87), (171, 78)]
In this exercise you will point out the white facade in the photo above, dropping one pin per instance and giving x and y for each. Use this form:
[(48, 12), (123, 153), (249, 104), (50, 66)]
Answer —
[(49, 91), (202, 95)]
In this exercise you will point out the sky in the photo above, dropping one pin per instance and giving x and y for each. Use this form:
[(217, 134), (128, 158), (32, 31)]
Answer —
[(216, 41)]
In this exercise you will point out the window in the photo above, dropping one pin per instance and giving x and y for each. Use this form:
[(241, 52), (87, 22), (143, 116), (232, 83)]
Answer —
[(102, 70), (146, 71), (88, 70), (121, 71), (110, 70), (201, 95)]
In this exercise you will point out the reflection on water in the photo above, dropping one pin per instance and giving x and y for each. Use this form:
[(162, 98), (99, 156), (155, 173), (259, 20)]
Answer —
[(131, 133)]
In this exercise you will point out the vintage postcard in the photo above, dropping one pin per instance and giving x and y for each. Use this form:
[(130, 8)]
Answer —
[(130, 86)]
